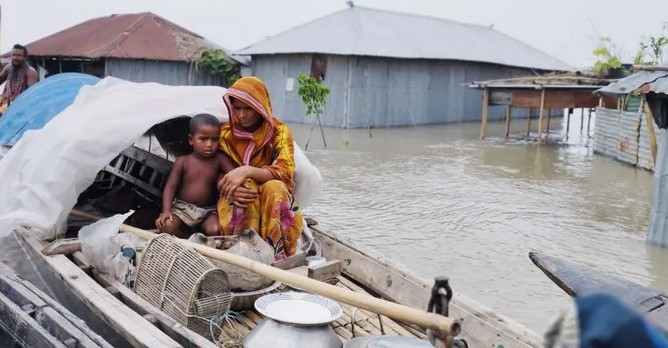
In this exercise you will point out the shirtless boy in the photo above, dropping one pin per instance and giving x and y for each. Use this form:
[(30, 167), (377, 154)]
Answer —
[(190, 195)]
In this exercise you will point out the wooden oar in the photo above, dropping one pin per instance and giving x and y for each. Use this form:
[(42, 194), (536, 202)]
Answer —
[(438, 323)]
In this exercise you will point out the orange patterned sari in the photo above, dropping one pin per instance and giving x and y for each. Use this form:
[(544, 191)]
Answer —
[(274, 215)]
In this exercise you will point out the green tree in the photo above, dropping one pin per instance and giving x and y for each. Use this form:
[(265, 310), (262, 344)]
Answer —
[(217, 62), (606, 59), (314, 95)]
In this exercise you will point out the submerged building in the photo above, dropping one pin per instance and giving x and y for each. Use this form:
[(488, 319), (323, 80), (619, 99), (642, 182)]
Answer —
[(391, 69)]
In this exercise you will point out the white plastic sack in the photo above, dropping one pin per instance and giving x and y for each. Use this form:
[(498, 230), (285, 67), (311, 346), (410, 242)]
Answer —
[(43, 175), (101, 245)]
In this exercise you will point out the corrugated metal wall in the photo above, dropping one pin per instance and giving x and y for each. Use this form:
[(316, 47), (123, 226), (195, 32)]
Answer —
[(383, 92), (623, 135), (168, 73)]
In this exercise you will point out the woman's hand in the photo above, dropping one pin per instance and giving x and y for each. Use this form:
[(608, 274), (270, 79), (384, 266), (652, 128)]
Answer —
[(232, 181), (244, 195)]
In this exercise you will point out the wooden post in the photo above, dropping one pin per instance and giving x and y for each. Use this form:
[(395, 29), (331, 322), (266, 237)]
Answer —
[(582, 119), (568, 122), (549, 115), (540, 116), (649, 119), (509, 110), (485, 113), (589, 121), (529, 122)]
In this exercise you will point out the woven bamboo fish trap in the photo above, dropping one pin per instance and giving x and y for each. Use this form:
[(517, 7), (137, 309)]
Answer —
[(183, 284)]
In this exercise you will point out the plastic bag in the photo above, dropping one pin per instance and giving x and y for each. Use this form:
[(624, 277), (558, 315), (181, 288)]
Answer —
[(102, 245)]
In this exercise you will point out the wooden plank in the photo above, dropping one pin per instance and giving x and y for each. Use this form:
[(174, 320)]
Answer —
[(60, 322), (485, 113), (293, 261), (500, 97), (556, 99), (122, 319), (482, 327), (171, 327), (62, 246), (24, 329), (328, 270), (649, 119), (132, 180)]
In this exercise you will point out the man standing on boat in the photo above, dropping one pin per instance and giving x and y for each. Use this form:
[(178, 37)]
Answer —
[(19, 76)]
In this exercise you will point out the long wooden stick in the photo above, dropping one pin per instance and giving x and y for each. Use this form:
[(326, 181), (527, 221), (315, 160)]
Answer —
[(438, 323)]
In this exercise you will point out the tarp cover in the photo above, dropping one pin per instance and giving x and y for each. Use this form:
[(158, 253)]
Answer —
[(47, 169), (40, 103)]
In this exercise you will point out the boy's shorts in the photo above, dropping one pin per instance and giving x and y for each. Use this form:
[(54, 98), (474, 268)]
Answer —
[(190, 214)]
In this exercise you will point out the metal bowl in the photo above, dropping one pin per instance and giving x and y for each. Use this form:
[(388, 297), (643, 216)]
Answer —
[(246, 300)]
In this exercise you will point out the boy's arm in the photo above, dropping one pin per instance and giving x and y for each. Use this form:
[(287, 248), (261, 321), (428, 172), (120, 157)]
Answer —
[(172, 185), (226, 164)]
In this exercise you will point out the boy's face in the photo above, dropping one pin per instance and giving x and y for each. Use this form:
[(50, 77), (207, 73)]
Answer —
[(205, 141)]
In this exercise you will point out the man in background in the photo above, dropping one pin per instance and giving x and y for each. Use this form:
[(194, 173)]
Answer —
[(19, 76)]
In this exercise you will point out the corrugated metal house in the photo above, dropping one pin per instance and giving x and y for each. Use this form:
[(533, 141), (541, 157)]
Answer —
[(629, 132), (139, 47), (391, 69)]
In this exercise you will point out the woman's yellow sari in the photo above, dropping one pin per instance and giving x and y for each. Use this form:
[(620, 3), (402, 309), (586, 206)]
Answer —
[(274, 215)]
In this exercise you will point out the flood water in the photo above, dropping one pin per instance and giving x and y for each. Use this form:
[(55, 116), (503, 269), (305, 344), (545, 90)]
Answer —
[(443, 202)]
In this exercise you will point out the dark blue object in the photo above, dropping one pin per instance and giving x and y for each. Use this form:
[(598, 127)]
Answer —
[(40, 103)]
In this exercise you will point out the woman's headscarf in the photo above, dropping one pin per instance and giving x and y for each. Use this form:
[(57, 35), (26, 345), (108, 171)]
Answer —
[(252, 92)]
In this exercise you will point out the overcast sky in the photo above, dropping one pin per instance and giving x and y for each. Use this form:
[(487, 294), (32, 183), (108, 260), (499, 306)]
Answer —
[(566, 29)]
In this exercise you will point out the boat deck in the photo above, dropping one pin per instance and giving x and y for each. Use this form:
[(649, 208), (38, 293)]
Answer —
[(366, 323)]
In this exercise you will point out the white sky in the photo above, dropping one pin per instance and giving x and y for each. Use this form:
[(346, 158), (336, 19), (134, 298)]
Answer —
[(566, 29)]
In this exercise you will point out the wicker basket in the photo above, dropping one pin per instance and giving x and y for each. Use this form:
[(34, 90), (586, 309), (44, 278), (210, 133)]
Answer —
[(183, 284)]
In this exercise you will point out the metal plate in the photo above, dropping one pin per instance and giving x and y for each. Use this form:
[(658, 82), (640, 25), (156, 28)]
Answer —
[(299, 308)]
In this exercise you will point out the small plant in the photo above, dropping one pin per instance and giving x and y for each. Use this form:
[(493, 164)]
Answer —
[(314, 95), (606, 59), (217, 62)]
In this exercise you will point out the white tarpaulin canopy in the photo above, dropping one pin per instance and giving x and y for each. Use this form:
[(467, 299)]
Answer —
[(45, 172)]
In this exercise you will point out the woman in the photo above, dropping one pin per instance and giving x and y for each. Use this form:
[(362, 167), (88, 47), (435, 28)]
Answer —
[(263, 149)]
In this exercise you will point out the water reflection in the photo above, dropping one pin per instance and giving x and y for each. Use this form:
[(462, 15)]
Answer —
[(443, 202)]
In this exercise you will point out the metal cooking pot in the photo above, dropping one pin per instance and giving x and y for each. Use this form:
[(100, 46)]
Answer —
[(387, 342), (273, 334)]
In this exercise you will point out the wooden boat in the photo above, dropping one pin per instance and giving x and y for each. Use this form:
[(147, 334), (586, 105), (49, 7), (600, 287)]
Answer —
[(126, 319), (30, 318), (579, 280)]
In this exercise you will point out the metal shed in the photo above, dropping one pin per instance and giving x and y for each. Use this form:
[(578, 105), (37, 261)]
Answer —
[(391, 69), (140, 47)]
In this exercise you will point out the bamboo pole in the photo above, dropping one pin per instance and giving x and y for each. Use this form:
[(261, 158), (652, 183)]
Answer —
[(582, 119), (509, 110), (589, 121), (485, 113), (529, 122), (441, 324), (540, 116)]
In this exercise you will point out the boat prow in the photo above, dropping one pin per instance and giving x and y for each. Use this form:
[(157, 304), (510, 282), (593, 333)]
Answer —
[(579, 280)]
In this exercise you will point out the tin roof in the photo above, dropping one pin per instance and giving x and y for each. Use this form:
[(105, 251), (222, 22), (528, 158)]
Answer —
[(371, 32), (654, 80), (564, 82), (126, 36)]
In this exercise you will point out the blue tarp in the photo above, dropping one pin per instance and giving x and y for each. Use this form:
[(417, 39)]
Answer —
[(40, 103)]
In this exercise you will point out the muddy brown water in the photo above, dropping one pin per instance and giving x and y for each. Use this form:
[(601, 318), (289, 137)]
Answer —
[(443, 202)]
